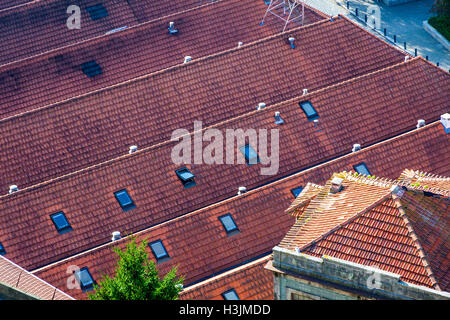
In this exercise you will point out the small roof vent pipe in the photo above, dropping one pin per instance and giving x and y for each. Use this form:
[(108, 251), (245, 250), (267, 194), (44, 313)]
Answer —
[(261, 106), (356, 147), (187, 59), (240, 44), (171, 28), (115, 236), (133, 149), (305, 92), (420, 123), (291, 41), (445, 121), (13, 188), (242, 190)]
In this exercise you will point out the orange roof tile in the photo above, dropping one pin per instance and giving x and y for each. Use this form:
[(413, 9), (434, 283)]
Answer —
[(98, 214), (136, 51), (65, 137), (367, 224), (250, 281), (425, 180), (198, 244), (18, 278)]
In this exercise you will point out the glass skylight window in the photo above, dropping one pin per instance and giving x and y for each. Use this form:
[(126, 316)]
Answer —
[(309, 110), (296, 191), (230, 295), (91, 68), (158, 250), (228, 223), (85, 279), (186, 177), (60, 222), (251, 157), (97, 12), (361, 168), (2, 250), (124, 200)]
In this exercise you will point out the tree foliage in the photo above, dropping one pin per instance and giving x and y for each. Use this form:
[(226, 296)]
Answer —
[(137, 278), (441, 8)]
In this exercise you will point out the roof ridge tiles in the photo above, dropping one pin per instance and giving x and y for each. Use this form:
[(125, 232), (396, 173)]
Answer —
[(96, 39), (415, 239), (174, 67)]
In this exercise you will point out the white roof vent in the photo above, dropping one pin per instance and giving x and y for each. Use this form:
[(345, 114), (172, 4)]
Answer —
[(187, 59), (115, 236), (356, 147), (240, 44), (133, 149), (316, 123), (336, 185), (406, 58), (13, 188), (420, 123), (297, 250), (305, 92), (445, 121), (291, 41), (242, 190), (261, 106), (171, 28)]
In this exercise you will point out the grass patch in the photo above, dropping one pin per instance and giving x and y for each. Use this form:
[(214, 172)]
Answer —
[(441, 24)]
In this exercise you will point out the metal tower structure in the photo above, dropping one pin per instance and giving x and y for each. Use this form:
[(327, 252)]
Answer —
[(288, 7)]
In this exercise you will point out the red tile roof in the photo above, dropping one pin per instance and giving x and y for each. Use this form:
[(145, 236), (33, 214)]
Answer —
[(250, 281), (40, 26), (87, 196), (137, 51), (18, 278), (367, 223), (198, 244), (77, 134)]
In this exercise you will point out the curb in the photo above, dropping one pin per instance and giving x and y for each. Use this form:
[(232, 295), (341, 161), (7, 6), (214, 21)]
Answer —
[(436, 35)]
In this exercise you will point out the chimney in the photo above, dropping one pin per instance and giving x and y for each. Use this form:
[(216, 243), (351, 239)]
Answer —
[(336, 185), (305, 92), (445, 121), (242, 190), (420, 123), (278, 119), (356, 147), (133, 149), (261, 106), (13, 188), (115, 236), (171, 28), (240, 44), (291, 41), (187, 59)]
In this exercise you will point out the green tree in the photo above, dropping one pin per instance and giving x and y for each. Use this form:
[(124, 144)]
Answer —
[(137, 278), (441, 8)]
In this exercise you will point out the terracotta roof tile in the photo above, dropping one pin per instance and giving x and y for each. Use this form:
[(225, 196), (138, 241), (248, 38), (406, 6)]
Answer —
[(379, 229), (257, 213), (87, 197), (131, 53), (250, 281), (18, 278), (62, 138), (425, 180)]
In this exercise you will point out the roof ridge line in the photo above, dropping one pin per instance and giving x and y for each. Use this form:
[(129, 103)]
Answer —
[(97, 39), (413, 236), (162, 71)]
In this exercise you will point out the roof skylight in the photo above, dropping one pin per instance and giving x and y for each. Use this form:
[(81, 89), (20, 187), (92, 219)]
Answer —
[(85, 279), (251, 157), (186, 177), (124, 200), (97, 12), (361, 168), (91, 68), (309, 110), (60, 222), (159, 251), (228, 223), (297, 191), (230, 295)]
